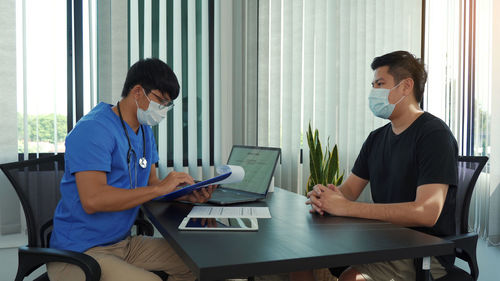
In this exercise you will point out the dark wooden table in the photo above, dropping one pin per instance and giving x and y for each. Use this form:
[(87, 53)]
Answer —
[(292, 240)]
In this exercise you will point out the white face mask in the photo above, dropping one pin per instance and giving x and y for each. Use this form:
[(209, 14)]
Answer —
[(379, 102), (153, 115)]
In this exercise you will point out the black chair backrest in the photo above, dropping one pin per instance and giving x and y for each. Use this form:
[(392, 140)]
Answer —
[(469, 169), (37, 183)]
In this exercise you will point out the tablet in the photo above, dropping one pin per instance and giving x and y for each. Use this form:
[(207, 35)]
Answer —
[(219, 224)]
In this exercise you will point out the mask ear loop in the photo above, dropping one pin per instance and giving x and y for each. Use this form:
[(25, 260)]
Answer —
[(144, 91), (402, 98)]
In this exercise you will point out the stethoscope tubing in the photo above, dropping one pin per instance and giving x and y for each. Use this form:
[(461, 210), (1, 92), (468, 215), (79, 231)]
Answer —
[(143, 162)]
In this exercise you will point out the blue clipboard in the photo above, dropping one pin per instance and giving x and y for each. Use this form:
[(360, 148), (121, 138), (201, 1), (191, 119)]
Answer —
[(188, 189)]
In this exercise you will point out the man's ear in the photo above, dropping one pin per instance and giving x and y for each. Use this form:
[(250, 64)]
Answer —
[(136, 91), (408, 84)]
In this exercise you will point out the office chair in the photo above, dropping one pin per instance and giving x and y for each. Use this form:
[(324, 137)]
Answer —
[(469, 169), (36, 183)]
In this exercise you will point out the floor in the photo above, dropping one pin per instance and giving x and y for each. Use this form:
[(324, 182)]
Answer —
[(488, 259), (8, 257)]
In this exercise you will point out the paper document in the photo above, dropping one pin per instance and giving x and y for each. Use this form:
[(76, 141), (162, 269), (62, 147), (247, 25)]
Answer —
[(236, 174), (229, 212), (227, 174)]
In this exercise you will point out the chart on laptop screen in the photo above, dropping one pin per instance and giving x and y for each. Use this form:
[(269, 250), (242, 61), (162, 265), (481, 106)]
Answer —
[(258, 164)]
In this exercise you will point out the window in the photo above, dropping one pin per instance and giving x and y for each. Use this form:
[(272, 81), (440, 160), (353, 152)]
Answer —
[(458, 88), (54, 89), (460, 91), (42, 94)]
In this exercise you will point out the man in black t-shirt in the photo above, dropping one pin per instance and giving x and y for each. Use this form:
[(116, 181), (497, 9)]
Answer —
[(410, 163)]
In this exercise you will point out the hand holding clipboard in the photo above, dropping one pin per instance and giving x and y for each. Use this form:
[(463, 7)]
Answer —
[(227, 174)]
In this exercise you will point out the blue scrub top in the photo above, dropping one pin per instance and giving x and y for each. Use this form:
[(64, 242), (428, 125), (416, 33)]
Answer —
[(98, 143)]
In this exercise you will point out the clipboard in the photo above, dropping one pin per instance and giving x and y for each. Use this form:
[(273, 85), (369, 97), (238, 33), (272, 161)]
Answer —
[(188, 189)]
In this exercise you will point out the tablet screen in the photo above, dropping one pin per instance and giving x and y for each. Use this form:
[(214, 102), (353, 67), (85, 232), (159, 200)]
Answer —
[(241, 224)]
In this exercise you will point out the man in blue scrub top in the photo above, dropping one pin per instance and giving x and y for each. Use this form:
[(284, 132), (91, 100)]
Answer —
[(110, 172)]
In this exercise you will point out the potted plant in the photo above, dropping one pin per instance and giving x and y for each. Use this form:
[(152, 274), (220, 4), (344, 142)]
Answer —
[(323, 168)]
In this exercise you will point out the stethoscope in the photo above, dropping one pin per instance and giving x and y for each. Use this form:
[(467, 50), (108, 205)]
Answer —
[(142, 162)]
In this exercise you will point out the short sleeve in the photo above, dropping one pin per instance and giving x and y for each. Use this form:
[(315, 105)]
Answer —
[(89, 147), (360, 167), (437, 156)]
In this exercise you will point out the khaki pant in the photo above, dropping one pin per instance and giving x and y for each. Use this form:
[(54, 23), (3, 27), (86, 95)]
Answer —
[(398, 270), (130, 259)]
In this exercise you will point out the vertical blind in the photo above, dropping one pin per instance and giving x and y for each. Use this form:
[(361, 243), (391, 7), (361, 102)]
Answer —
[(41, 72), (314, 67), (9, 207), (185, 35), (460, 92)]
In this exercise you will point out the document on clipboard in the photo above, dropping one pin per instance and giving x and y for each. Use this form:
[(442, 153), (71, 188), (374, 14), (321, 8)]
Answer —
[(227, 174)]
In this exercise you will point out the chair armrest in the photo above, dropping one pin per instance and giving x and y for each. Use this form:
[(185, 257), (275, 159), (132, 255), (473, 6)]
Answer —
[(464, 242), (31, 258), (465, 249), (144, 227)]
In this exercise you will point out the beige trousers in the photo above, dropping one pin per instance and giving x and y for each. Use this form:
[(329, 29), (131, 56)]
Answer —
[(131, 259), (398, 270)]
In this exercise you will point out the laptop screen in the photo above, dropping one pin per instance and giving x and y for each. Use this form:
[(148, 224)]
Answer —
[(258, 163)]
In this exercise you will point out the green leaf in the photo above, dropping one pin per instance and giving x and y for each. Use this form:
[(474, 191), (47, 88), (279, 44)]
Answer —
[(335, 160), (325, 168), (339, 180), (314, 160), (318, 160), (310, 138), (330, 171), (318, 149), (326, 163), (309, 184)]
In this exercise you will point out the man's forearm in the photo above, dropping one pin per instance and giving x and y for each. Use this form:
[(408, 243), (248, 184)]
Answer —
[(112, 199), (346, 191), (405, 214)]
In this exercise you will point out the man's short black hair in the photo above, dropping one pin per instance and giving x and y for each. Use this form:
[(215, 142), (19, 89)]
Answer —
[(152, 74), (404, 65)]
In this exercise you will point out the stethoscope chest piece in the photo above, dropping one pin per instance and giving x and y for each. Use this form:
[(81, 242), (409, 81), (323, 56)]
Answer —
[(143, 162)]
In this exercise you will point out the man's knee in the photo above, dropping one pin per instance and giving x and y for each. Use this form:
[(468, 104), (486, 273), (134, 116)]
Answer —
[(64, 271), (115, 268)]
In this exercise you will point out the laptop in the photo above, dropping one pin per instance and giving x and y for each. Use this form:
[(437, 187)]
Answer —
[(259, 164)]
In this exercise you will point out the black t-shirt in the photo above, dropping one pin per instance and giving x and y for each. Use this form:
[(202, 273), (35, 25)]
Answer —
[(425, 153)]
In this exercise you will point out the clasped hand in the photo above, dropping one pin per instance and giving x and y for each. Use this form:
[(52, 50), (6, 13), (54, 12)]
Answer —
[(326, 199)]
